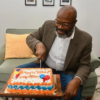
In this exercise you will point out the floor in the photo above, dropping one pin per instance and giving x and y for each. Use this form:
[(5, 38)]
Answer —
[(96, 95)]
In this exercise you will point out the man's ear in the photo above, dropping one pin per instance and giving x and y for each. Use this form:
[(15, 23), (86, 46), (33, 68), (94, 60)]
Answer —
[(75, 21)]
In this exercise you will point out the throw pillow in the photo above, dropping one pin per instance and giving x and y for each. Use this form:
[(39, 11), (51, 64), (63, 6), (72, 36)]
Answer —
[(16, 46)]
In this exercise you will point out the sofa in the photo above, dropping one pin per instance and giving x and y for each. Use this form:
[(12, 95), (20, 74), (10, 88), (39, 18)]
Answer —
[(7, 66)]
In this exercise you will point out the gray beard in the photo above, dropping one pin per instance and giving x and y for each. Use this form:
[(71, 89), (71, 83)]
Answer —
[(66, 35)]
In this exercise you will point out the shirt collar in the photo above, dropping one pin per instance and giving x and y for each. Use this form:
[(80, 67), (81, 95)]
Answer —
[(73, 33)]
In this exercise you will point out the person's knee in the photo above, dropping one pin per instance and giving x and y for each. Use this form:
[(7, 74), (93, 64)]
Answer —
[(21, 66), (24, 66), (29, 65)]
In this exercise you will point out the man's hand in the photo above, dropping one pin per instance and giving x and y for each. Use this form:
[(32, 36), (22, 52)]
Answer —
[(72, 88), (40, 51)]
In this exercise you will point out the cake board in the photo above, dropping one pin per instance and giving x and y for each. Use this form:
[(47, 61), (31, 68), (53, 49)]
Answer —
[(57, 94)]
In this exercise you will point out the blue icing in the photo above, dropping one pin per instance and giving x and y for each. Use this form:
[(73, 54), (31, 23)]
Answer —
[(21, 87), (38, 87), (49, 88), (10, 86), (16, 87), (32, 87), (17, 69), (52, 86), (27, 87), (44, 88), (42, 76)]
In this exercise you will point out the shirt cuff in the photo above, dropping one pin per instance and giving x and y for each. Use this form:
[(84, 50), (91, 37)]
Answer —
[(80, 79)]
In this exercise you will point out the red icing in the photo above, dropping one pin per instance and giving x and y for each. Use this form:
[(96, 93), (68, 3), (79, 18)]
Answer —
[(43, 79), (47, 77), (17, 75)]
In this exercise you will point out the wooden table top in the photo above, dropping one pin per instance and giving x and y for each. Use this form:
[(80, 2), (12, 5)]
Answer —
[(58, 93)]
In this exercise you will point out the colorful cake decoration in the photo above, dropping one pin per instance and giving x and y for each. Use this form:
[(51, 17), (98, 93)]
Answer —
[(44, 77), (47, 77), (16, 73), (18, 70)]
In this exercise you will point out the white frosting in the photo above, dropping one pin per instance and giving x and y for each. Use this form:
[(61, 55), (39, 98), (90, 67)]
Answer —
[(33, 72)]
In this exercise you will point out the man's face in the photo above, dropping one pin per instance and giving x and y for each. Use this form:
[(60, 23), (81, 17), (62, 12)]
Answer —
[(64, 24)]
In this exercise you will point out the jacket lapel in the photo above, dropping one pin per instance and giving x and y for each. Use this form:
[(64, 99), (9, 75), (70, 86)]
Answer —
[(50, 40), (50, 37), (72, 49)]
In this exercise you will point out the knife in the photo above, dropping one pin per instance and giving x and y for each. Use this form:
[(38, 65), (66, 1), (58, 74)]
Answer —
[(40, 64)]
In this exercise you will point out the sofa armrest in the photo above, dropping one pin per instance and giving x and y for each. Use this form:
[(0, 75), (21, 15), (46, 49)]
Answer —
[(2, 54), (95, 62)]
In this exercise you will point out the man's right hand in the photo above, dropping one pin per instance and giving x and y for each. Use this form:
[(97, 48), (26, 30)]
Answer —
[(40, 50)]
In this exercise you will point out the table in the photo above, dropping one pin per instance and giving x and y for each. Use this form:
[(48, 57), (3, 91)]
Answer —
[(57, 95)]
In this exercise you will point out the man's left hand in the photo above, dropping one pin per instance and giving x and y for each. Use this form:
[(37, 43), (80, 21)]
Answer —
[(72, 88)]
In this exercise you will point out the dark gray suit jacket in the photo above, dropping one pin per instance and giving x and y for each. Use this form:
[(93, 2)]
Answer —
[(77, 60)]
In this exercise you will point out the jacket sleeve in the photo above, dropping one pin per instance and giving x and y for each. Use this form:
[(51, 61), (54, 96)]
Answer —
[(35, 38), (84, 66)]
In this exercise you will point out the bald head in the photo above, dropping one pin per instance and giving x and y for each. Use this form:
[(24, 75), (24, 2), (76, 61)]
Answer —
[(68, 11), (66, 20)]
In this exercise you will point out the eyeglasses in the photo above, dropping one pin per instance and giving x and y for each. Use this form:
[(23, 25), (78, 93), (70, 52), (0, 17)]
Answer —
[(64, 24)]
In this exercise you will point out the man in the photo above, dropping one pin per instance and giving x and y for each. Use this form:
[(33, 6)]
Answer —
[(65, 49)]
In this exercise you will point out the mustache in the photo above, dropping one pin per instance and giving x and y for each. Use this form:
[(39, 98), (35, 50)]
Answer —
[(67, 32), (60, 30)]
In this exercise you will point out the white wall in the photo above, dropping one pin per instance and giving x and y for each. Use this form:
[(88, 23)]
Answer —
[(89, 20), (14, 14)]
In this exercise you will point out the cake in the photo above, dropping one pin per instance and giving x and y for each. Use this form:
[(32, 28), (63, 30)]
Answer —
[(31, 81)]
